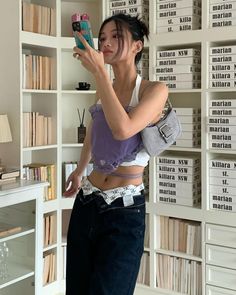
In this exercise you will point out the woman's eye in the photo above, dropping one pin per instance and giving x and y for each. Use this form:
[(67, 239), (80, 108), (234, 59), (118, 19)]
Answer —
[(116, 36), (101, 40)]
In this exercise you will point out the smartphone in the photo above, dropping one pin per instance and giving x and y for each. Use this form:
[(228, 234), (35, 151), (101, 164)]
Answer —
[(80, 23)]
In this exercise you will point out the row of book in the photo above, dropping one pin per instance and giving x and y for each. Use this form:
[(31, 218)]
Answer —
[(144, 270), (222, 124), (190, 120), (180, 235), (222, 65), (37, 129), (222, 190), (179, 275), (49, 268), (42, 172), (175, 16), (50, 225), (38, 19), (132, 7), (179, 68), (222, 13), (37, 72), (179, 182)]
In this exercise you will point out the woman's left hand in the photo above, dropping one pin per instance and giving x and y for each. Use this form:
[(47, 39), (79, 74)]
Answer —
[(90, 58)]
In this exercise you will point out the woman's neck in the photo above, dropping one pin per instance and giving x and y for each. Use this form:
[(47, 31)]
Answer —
[(124, 78)]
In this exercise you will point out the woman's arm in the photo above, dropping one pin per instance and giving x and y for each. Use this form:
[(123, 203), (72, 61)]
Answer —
[(122, 125), (73, 181)]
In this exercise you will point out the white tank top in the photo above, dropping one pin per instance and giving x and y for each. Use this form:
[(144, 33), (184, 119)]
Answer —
[(142, 157)]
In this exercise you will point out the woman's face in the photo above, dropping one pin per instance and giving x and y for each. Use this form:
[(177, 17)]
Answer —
[(111, 44)]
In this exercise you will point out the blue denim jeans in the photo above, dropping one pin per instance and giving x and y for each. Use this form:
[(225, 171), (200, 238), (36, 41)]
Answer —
[(104, 246)]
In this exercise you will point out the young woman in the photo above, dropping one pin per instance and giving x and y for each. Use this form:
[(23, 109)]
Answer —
[(106, 231)]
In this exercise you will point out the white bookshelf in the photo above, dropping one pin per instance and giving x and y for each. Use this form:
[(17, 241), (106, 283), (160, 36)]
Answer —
[(61, 104)]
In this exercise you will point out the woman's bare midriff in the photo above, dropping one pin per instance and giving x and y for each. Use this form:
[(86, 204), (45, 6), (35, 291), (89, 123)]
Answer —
[(106, 181)]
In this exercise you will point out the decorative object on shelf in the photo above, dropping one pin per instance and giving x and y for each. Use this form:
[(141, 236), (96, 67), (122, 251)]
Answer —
[(157, 138), (81, 128), (83, 86)]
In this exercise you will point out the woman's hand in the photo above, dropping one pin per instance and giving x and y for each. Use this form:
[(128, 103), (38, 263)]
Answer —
[(73, 184), (90, 58)]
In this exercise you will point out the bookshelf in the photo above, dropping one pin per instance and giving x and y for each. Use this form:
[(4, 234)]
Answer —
[(60, 103)]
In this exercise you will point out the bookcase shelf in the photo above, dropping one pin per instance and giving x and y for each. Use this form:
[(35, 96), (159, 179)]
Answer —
[(61, 103)]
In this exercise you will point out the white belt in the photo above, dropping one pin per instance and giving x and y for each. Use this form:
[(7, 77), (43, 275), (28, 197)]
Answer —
[(111, 194)]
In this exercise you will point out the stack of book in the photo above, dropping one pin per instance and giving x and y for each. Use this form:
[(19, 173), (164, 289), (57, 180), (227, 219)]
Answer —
[(175, 16), (132, 7), (9, 175), (143, 65), (37, 72), (180, 235), (179, 180), (190, 119), (42, 172), (222, 124), (222, 67), (50, 229), (144, 272), (179, 68), (49, 268), (37, 129), (179, 274), (222, 14), (38, 19), (223, 184)]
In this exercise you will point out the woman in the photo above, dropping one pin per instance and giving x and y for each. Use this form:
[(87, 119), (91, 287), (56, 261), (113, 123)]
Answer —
[(106, 231)]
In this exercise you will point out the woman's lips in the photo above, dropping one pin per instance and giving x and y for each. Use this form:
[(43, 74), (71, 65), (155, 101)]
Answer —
[(107, 52)]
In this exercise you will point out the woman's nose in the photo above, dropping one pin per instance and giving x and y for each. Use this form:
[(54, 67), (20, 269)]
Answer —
[(107, 44)]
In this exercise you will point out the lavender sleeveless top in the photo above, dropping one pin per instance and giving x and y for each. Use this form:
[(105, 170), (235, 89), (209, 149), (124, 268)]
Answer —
[(107, 152)]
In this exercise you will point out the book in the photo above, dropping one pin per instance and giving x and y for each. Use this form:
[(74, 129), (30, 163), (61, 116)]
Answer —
[(178, 4), (222, 7), (9, 173), (178, 69), (8, 229), (221, 129), (179, 61), (223, 50), (185, 52), (179, 12), (7, 180), (223, 103)]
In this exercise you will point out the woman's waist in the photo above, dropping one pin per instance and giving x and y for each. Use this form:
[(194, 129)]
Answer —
[(122, 176)]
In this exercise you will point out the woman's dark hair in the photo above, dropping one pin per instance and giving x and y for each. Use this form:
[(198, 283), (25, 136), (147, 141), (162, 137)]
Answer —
[(133, 24)]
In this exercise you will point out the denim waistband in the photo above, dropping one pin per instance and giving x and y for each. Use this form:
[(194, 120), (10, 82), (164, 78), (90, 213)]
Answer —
[(125, 192)]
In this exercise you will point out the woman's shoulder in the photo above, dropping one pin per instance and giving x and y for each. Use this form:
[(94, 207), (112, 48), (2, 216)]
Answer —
[(148, 87)]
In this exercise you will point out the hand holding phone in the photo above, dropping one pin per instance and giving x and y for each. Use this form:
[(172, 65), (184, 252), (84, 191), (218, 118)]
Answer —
[(80, 23)]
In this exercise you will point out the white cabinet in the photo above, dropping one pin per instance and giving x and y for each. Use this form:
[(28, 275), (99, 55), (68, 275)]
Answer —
[(21, 213)]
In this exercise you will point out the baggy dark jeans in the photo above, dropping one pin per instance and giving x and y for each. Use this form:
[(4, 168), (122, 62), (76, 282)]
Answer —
[(104, 246)]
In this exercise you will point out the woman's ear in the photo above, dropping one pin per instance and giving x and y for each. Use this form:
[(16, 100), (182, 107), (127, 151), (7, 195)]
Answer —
[(138, 46)]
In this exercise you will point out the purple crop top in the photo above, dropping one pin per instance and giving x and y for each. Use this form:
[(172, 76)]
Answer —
[(107, 152)]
